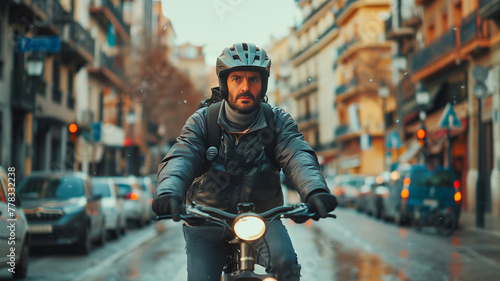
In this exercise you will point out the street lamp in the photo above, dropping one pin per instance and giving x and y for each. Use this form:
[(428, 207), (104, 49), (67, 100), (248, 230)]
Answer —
[(480, 91), (130, 118), (422, 97), (34, 69), (383, 92)]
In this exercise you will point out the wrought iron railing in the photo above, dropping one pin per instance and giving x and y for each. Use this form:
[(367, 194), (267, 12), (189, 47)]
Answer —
[(82, 37), (54, 13), (341, 130), (470, 29), (341, 90), (332, 27), (436, 49)]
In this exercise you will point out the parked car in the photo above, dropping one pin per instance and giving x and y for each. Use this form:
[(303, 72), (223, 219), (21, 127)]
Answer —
[(62, 210), (346, 188), (380, 191), (112, 205), (149, 188), (417, 186), (15, 261), (136, 203), (365, 191)]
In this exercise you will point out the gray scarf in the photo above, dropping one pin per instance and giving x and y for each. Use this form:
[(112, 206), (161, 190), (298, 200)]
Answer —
[(241, 121)]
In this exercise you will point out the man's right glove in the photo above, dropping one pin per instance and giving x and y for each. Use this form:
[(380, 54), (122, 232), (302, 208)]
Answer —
[(323, 203), (169, 205)]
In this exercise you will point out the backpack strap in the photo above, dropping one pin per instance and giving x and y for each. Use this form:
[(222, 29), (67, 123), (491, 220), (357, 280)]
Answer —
[(213, 128), (270, 146)]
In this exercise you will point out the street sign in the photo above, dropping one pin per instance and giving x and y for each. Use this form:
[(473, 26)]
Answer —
[(480, 72), (480, 90), (47, 44), (393, 141), (449, 118)]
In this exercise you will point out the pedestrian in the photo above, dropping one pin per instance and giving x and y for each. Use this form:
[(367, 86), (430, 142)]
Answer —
[(240, 168)]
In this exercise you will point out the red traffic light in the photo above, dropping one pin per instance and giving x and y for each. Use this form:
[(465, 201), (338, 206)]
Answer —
[(73, 128), (421, 134)]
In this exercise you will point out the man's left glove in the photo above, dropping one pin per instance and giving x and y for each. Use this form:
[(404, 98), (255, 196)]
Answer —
[(323, 203), (169, 205)]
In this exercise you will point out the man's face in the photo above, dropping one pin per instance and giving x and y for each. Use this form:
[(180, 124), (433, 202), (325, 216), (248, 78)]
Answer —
[(244, 90)]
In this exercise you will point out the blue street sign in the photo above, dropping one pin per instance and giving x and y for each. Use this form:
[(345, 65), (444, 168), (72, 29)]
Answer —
[(393, 141), (46, 44), (449, 118), (96, 129)]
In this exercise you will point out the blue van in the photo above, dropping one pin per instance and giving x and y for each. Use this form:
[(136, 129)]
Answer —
[(423, 188)]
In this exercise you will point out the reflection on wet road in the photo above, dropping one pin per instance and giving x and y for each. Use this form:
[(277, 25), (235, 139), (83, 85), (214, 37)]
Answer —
[(353, 247)]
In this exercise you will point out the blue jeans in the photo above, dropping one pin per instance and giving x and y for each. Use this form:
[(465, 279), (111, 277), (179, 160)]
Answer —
[(206, 252)]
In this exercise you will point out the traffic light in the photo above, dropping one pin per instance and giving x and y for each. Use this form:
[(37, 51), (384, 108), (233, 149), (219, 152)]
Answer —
[(422, 136), (73, 131)]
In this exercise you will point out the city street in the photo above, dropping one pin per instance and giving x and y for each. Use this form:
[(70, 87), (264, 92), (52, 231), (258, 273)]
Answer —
[(352, 247)]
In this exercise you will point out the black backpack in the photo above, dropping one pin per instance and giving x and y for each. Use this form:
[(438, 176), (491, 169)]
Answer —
[(215, 131)]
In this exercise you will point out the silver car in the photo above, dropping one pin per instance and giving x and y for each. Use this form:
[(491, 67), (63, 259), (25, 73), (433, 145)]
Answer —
[(135, 204), (112, 205), (14, 230)]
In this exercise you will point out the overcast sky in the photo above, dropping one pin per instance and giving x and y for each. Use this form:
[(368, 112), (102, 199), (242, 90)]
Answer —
[(216, 24)]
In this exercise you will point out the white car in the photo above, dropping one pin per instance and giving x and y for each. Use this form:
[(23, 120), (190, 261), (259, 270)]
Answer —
[(14, 230), (136, 204), (112, 205)]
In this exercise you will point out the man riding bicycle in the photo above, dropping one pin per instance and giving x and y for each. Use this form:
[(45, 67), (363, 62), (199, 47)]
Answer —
[(240, 168)]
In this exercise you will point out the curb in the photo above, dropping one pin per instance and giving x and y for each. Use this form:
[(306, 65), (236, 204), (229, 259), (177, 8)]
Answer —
[(117, 255)]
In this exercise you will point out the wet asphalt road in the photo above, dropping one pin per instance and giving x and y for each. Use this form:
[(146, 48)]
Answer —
[(352, 247)]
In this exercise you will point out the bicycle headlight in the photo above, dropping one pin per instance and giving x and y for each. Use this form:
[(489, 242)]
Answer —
[(249, 228)]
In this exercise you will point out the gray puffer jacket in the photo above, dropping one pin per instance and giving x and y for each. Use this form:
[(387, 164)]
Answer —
[(242, 171)]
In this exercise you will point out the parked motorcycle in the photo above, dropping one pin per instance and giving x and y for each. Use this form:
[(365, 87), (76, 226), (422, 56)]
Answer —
[(248, 228)]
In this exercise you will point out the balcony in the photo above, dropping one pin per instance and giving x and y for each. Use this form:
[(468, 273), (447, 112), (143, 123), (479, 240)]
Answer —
[(305, 88), (107, 68), (105, 12), (354, 88), (308, 117), (53, 16), (341, 90), (472, 37), (79, 45), (341, 130), (310, 49), (343, 48), (395, 31), (342, 11), (321, 148), (490, 9), (436, 49)]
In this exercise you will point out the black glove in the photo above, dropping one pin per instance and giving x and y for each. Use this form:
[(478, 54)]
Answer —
[(322, 203), (169, 205)]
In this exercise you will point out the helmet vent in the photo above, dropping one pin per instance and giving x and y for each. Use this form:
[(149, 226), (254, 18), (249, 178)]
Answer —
[(257, 58), (232, 49), (245, 47), (236, 57)]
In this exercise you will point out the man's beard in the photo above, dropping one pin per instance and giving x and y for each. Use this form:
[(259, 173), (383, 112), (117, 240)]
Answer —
[(243, 108)]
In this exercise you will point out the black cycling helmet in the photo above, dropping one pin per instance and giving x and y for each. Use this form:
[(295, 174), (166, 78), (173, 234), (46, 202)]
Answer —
[(243, 56)]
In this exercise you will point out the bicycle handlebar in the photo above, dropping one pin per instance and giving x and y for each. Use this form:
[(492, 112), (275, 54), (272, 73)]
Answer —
[(196, 212)]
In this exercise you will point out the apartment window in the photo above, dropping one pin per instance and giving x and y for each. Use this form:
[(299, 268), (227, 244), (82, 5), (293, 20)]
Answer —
[(70, 98), (444, 23), (56, 81), (457, 14), (101, 106), (1, 50)]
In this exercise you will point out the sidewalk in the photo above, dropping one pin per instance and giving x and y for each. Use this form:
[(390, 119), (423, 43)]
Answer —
[(467, 222)]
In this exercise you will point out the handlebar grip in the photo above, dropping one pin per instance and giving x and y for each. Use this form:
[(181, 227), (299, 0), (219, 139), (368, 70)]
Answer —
[(164, 217)]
